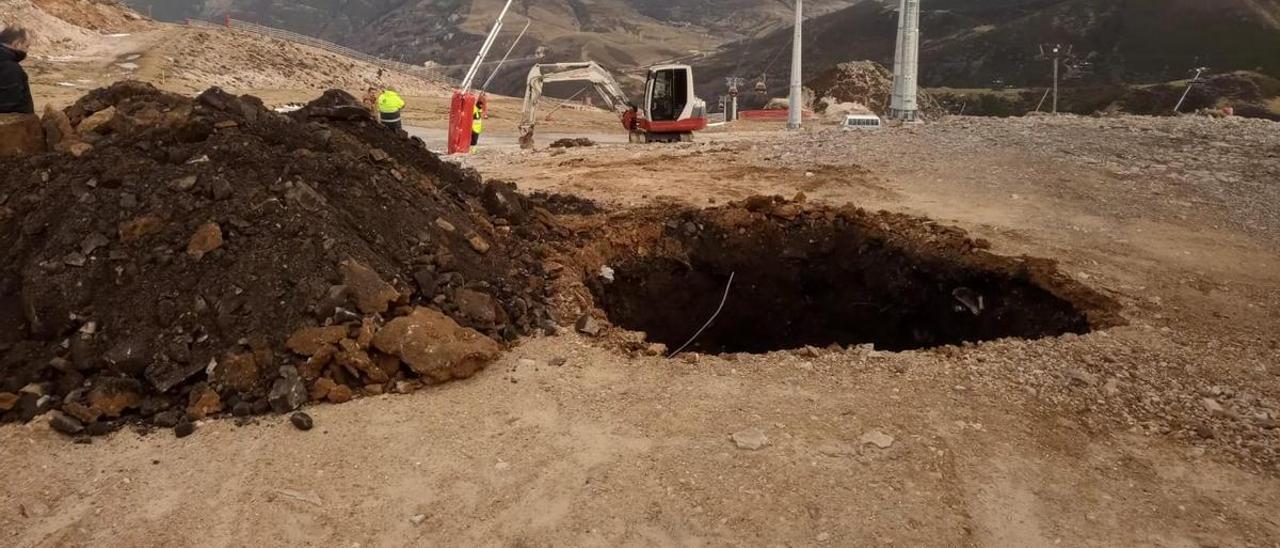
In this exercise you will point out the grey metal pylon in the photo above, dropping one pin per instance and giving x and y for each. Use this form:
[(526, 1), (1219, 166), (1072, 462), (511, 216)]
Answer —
[(796, 101), (906, 63)]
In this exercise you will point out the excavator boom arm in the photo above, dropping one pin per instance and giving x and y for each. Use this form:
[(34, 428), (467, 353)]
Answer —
[(603, 82)]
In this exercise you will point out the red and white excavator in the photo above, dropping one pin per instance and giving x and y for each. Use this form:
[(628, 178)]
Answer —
[(671, 112)]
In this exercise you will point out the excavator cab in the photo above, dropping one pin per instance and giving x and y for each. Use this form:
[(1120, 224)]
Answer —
[(668, 93), (671, 110)]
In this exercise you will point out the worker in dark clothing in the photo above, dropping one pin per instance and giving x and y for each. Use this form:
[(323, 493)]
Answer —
[(15, 92)]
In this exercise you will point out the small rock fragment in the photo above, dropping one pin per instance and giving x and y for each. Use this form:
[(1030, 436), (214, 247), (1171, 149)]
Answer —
[(220, 189), (83, 413), (1213, 407), (479, 244), (287, 394), (477, 306), (371, 293), (113, 395), (588, 325), (751, 439), (101, 428), (93, 242), (309, 341), (184, 184), (74, 259), (302, 421), (340, 394), (242, 409), (203, 401), (206, 239), (1111, 388), (66, 424), (878, 439), (184, 429), (139, 227), (167, 419), (1082, 378)]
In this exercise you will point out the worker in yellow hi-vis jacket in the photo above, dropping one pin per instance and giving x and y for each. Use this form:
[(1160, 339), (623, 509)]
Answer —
[(389, 106), (477, 121)]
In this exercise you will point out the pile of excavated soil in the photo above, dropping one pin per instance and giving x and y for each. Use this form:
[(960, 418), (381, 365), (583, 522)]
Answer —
[(204, 256)]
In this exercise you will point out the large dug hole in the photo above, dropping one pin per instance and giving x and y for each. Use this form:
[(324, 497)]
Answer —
[(818, 282)]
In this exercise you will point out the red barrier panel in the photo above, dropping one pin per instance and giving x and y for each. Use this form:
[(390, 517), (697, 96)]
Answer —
[(775, 114), (460, 111)]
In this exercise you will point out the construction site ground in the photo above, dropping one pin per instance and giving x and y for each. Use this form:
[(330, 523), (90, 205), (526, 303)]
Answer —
[(1106, 439), (1161, 432)]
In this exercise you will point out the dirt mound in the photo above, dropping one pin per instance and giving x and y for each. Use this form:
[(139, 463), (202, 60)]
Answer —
[(202, 244), (50, 35), (99, 15), (235, 59), (573, 142), (866, 83)]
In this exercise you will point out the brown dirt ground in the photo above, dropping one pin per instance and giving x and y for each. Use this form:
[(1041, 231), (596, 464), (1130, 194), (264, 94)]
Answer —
[(998, 444)]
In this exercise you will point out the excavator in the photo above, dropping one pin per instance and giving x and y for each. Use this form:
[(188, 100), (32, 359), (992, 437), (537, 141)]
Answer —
[(670, 113)]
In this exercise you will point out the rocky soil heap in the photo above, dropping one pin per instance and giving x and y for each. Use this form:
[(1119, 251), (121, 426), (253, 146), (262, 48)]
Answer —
[(195, 257), (867, 84)]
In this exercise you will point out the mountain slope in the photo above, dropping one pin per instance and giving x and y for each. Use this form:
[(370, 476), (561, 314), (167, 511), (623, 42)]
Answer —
[(968, 43), (617, 33)]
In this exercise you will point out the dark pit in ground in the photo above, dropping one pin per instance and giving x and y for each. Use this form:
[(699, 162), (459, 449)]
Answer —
[(844, 279)]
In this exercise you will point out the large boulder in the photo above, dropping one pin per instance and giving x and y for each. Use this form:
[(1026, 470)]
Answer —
[(435, 346), (58, 133), (21, 135)]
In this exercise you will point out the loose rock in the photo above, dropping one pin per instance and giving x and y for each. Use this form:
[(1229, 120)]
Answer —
[(203, 401), (372, 295), (65, 424), (112, 396), (435, 346), (287, 394), (878, 439), (751, 439), (302, 421), (589, 325), (206, 239)]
